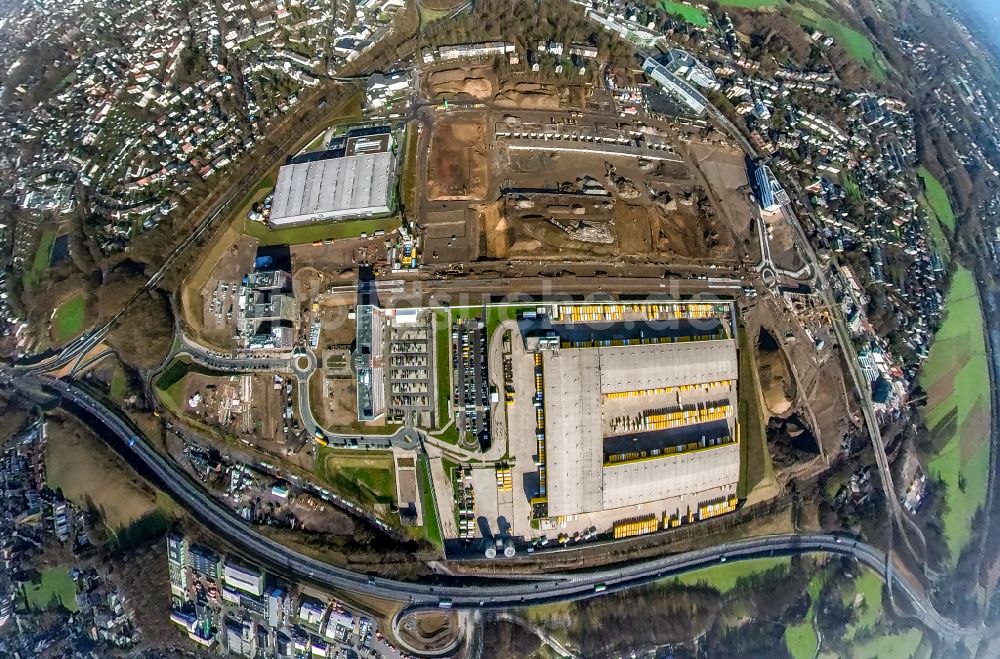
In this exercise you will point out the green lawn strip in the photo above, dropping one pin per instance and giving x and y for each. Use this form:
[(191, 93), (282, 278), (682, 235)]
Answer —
[(750, 4), (40, 262), (890, 646), (959, 342), (118, 384), (408, 183), (428, 15), (368, 477), (755, 461), (448, 435), (312, 232), (432, 528), (854, 43), (937, 197), (69, 318), (851, 187), (496, 314), (56, 587), (316, 143), (801, 638), (688, 13), (869, 585), (938, 238), (442, 341), (726, 576)]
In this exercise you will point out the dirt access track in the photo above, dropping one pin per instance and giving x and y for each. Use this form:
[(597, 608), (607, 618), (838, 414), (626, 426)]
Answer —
[(458, 168)]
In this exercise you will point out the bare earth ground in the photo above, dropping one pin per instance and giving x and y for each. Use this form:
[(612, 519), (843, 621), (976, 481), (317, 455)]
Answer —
[(447, 236), (812, 380), (318, 266), (782, 242), (536, 96), (462, 83), (642, 230), (457, 164), (776, 382), (230, 268), (724, 172), (229, 249)]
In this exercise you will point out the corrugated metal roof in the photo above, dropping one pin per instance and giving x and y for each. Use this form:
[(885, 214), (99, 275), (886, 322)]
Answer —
[(574, 451), (671, 476), (576, 378), (336, 187), (632, 368)]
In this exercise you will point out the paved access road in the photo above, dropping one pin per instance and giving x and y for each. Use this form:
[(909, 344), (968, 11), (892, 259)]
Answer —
[(495, 593)]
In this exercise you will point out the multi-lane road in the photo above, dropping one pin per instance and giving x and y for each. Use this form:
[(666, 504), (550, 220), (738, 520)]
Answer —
[(483, 593)]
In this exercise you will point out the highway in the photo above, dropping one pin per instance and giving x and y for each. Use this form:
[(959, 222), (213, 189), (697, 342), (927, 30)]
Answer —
[(486, 593)]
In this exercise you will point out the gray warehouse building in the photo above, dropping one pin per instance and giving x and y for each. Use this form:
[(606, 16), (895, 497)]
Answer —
[(636, 424), (355, 179)]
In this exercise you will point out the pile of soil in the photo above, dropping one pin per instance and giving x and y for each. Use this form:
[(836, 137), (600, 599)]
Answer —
[(790, 441), (472, 82), (529, 95), (776, 383)]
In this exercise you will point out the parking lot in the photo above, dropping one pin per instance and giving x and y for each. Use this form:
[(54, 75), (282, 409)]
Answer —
[(408, 370), (471, 388)]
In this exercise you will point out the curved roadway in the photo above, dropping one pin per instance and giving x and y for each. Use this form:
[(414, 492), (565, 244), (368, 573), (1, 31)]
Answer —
[(496, 593)]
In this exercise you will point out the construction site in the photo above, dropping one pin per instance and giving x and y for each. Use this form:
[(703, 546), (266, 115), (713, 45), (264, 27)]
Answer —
[(518, 173), (246, 404)]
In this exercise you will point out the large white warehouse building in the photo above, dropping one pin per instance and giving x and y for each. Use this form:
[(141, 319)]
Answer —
[(355, 181)]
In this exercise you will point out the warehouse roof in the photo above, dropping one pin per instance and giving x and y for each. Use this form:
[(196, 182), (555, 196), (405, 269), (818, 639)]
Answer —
[(669, 476), (632, 368), (573, 450), (575, 381), (332, 187)]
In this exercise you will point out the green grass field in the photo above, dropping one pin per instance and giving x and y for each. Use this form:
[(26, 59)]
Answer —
[(68, 320), (938, 238), (429, 15), (316, 143), (801, 638), (408, 183), (367, 476), (851, 187), (56, 588), (432, 527), (957, 382), (869, 585), (40, 262), (755, 461), (313, 232), (170, 385), (691, 14), (890, 646), (857, 45), (119, 384), (725, 576), (937, 198)]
